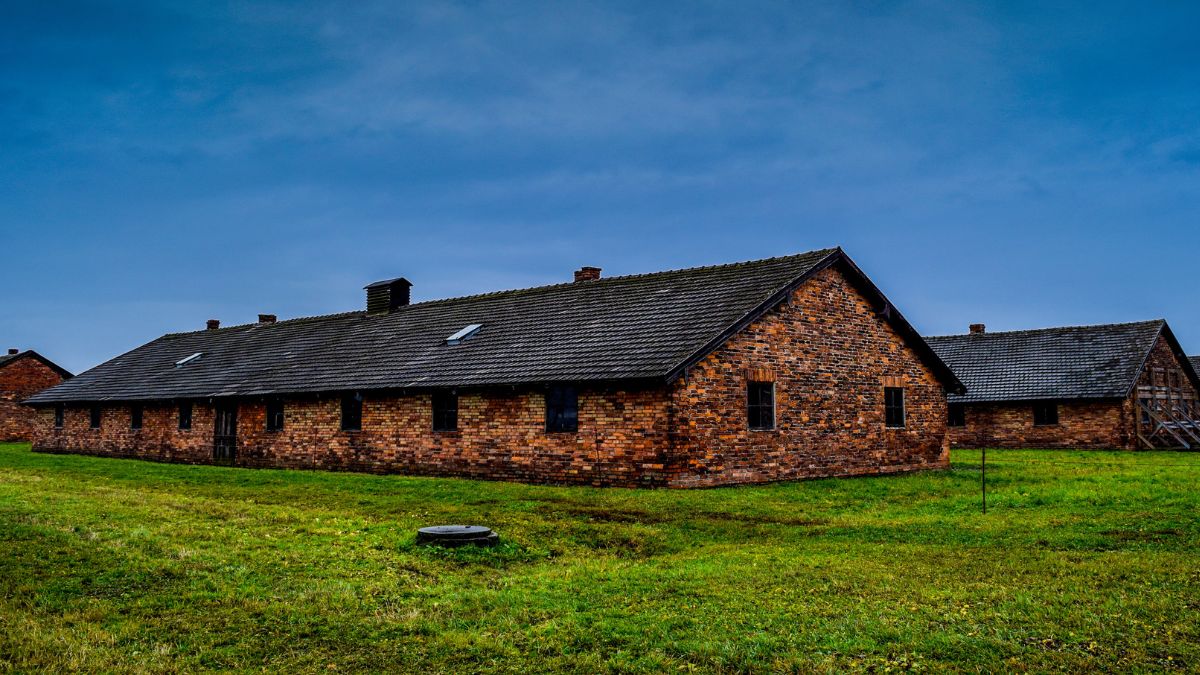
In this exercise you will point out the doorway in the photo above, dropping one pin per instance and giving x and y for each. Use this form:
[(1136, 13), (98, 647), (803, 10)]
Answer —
[(225, 432)]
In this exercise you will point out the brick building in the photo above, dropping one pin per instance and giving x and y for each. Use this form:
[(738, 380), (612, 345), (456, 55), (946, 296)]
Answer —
[(1124, 386), (23, 374), (775, 369)]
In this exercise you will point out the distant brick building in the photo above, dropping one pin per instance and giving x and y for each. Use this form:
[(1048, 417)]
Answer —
[(776, 369), (1123, 386), (23, 374)]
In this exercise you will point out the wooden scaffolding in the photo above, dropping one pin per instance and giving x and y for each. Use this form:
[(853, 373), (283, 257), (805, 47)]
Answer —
[(1168, 412)]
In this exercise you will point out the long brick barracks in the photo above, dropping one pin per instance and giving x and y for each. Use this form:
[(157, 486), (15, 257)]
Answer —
[(777, 369), (790, 367)]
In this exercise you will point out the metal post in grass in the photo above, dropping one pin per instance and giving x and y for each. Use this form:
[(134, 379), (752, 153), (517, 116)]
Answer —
[(983, 477)]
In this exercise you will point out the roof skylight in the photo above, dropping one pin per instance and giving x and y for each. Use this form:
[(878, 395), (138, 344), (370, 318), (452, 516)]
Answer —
[(189, 359), (463, 334)]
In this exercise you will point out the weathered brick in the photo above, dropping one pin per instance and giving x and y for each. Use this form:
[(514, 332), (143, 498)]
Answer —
[(828, 351), (1084, 424), (19, 379)]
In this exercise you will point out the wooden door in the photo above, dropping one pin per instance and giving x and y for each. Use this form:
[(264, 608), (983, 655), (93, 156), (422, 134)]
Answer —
[(225, 433)]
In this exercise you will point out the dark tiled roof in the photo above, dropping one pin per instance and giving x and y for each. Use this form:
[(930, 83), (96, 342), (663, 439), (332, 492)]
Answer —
[(5, 358), (1051, 363), (1195, 362), (635, 327)]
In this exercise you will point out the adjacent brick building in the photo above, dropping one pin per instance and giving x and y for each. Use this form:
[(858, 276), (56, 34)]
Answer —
[(1122, 386), (23, 374), (777, 369)]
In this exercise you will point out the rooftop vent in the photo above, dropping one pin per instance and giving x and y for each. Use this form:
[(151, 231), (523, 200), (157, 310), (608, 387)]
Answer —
[(383, 297), (188, 359), (13, 350), (978, 329), (463, 334), (587, 274), (267, 318), (213, 324)]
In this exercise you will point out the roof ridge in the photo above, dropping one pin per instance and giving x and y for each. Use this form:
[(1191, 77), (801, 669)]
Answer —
[(251, 324), (624, 277), (515, 291), (1047, 329)]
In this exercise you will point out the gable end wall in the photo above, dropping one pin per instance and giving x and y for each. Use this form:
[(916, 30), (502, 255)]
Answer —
[(1082, 424), (830, 356), (20, 379)]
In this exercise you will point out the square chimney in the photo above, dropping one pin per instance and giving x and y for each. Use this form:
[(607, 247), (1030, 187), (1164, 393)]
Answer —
[(978, 329), (587, 274), (384, 297)]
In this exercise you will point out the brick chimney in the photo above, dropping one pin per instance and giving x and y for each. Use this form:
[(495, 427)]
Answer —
[(213, 324), (587, 274), (978, 329), (385, 297), (267, 318), (13, 350)]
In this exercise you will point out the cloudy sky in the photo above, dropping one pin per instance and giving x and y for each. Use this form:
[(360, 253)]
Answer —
[(1018, 164)]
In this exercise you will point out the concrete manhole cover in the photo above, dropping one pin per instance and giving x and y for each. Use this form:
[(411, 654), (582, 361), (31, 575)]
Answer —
[(457, 535)]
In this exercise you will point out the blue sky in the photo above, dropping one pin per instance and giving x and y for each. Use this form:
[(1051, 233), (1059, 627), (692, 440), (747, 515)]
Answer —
[(1018, 164)]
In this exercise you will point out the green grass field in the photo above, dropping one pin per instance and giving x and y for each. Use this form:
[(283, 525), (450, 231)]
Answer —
[(1085, 561)]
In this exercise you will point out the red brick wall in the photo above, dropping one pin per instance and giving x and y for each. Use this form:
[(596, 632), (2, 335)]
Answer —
[(1163, 378), (1081, 424), (160, 437), (621, 439), (831, 357), (20, 379)]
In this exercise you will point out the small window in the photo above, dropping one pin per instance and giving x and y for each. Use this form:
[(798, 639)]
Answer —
[(94, 417), (463, 334), (957, 415), (274, 415), (352, 406), (59, 415), (760, 405), (445, 411), (562, 409), (188, 359), (893, 407), (135, 416), (185, 415), (1045, 414)]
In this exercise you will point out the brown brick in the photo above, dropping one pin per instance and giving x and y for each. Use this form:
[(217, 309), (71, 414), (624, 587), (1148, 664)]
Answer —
[(1084, 424), (828, 352), (19, 379)]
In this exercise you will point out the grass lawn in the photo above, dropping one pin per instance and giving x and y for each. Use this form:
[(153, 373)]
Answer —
[(1085, 561)]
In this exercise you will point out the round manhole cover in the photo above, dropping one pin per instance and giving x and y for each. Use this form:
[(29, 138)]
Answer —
[(457, 535)]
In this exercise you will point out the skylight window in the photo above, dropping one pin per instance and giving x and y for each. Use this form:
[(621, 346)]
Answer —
[(463, 334), (185, 361)]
